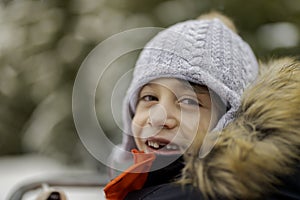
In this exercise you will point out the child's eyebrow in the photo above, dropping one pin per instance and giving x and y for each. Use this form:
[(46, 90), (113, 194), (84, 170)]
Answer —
[(199, 89)]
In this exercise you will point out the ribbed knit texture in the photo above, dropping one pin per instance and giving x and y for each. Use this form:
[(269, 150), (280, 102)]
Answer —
[(205, 52)]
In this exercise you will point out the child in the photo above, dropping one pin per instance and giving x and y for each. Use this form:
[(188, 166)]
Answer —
[(188, 80)]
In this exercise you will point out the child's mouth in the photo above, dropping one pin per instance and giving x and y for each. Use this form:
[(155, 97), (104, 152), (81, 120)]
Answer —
[(162, 146)]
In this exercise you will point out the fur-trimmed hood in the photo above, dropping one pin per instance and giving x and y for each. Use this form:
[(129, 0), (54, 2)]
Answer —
[(261, 145)]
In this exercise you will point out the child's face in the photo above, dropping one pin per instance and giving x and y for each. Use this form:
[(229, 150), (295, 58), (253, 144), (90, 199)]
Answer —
[(169, 114)]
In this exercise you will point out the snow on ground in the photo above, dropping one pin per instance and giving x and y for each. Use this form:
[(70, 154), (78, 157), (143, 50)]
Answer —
[(19, 170)]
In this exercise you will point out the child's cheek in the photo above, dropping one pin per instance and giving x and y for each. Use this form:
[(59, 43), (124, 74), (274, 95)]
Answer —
[(136, 128), (139, 121)]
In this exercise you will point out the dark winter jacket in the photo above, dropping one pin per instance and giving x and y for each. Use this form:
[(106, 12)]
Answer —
[(159, 188), (160, 184)]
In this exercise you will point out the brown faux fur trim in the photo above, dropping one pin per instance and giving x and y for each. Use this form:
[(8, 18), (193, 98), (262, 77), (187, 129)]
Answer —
[(263, 142)]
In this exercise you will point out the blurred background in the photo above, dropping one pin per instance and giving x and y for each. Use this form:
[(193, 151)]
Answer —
[(44, 42)]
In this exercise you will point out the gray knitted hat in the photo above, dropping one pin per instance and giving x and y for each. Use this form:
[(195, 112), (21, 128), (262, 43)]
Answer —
[(204, 52)]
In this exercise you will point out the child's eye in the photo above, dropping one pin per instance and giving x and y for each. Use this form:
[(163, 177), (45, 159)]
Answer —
[(149, 98), (190, 101)]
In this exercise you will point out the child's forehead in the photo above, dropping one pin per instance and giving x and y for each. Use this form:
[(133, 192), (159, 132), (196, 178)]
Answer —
[(177, 84)]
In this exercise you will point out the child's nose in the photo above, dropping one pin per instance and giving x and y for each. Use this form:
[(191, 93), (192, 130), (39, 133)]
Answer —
[(162, 116)]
